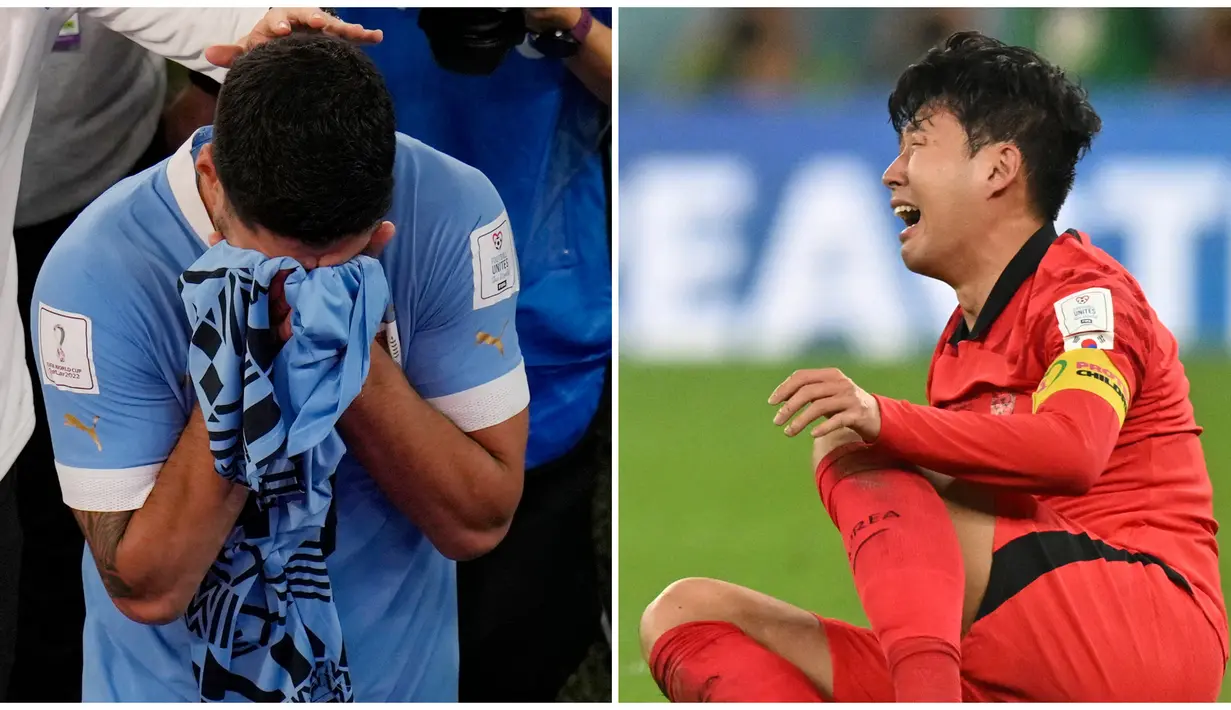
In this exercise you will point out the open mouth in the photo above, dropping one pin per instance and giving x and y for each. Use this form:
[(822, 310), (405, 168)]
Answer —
[(908, 214)]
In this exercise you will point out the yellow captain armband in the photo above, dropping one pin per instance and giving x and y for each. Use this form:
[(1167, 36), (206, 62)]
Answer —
[(1089, 370)]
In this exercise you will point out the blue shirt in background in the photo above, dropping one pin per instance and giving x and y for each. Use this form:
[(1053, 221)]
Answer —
[(535, 131), (111, 338)]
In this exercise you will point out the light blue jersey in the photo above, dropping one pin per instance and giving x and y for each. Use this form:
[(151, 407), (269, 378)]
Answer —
[(111, 339)]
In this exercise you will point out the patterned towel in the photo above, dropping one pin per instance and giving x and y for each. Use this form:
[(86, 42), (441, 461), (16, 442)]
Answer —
[(265, 625)]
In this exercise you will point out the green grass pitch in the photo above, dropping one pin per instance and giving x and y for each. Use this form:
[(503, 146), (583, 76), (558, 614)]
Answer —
[(709, 487)]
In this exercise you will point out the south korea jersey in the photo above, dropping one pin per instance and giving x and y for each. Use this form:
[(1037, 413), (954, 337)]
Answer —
[(111, 341)]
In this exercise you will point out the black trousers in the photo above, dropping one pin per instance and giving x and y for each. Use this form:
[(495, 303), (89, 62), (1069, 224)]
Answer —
[(50, 599), (10, 572), (529, 610)]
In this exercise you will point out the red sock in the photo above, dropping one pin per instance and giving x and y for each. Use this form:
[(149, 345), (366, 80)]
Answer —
[(907, 564), (715, 662)]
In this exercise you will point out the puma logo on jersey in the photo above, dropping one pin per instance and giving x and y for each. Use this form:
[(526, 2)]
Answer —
[(496, 341), (74, 422)]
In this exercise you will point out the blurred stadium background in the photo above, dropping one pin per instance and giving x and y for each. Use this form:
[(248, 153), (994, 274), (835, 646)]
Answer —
[(755, 238)]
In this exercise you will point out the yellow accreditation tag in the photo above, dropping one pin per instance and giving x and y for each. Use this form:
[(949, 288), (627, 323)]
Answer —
[(69, 37), (1089, 370)]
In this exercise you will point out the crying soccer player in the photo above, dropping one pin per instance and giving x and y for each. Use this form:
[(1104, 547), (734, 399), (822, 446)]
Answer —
[(192, 591)]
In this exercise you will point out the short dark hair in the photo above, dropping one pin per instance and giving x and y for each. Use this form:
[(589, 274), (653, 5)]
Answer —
[(304, 139), (1002, 93)]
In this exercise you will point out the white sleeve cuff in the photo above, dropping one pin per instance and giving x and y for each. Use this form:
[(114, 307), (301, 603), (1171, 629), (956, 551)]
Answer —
[(488, 404), (106, 490)]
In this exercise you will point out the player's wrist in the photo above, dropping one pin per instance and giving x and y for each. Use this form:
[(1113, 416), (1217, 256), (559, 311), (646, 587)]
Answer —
[(886, 409)]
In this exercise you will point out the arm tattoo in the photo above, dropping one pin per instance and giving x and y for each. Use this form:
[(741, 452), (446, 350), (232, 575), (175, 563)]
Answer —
[(103, 532)]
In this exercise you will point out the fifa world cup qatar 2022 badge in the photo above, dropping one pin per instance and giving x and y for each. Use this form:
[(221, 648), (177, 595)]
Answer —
[(66, 350)]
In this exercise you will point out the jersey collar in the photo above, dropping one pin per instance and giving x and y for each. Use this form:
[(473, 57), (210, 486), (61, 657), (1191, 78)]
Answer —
[(182, 176), (1021, 267)]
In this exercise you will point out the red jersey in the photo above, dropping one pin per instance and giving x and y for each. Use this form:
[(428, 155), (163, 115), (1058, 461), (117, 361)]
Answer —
[(1070, 388)]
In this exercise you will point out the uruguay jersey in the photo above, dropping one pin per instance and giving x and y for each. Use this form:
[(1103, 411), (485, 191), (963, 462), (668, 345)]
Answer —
[(111, 339)]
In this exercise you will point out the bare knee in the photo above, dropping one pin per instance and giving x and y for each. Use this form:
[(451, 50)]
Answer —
[(683, 601), (825, 445), (781, 628)]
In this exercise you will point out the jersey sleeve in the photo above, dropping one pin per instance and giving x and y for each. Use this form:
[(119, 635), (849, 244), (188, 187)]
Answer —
[(1092, 338), (113, 417), (464, 357)]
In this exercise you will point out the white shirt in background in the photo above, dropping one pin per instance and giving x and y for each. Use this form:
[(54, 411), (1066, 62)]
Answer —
[(100, 100), (26, 38)]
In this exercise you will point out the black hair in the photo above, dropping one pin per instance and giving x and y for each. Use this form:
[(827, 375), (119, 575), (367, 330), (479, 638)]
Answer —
[(1002, 93), (304, 139)]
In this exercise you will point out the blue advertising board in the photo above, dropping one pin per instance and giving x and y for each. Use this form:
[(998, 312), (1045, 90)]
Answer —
[(763, 230)]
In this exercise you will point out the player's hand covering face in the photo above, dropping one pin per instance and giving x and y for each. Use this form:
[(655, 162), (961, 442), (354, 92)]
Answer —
[(827, 393), (271, 245), (281, 21)]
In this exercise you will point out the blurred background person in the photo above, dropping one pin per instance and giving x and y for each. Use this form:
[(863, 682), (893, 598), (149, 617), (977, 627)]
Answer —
[(799, 52), (756, 238), (523, 96), (1208, 57), (761, 57)]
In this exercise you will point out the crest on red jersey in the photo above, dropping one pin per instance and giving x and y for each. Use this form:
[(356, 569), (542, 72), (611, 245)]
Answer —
[(1003, 403)]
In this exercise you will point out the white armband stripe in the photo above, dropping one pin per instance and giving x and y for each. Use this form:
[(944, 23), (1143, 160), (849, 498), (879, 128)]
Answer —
[(487, 404), (106, 490)]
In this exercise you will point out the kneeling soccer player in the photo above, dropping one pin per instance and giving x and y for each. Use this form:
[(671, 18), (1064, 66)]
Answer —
[(1068, 552)]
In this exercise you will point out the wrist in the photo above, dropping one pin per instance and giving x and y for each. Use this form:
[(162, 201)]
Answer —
[(567, 18), (551, 19), (566, 38), (887, 408)]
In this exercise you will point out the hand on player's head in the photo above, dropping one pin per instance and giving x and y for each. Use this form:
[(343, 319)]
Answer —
[(306, 169), (281, 21)]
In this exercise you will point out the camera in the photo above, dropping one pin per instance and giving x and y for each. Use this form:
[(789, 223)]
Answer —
[(472, 41)]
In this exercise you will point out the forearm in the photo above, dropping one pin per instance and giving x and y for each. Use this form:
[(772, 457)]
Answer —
[(592, 64), (1061, 449), (457, 492), (181, 34), (152, 560)]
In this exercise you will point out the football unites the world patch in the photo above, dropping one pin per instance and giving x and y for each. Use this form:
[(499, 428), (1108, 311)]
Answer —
[(494, 261), (1087, 320)]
